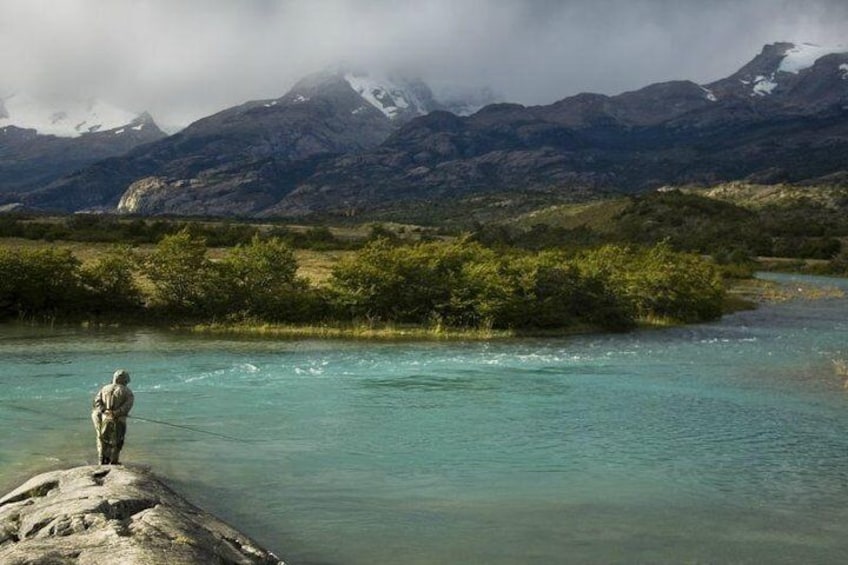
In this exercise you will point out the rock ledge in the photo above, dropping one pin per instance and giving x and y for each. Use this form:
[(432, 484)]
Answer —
[(114, 514)]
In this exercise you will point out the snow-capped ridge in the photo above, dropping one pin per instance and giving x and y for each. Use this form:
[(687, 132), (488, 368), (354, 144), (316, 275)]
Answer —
[(805, 55), (71, 119), (780, 67), (401, 97)]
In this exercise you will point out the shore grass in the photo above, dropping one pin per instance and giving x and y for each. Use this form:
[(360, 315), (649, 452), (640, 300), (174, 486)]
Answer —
[(404, 332), (387, 332), (758, 291)]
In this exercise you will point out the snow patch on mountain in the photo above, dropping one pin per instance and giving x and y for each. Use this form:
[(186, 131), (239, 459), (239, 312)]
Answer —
[(763, 85), (778, 68), (398, 96), (389, 95), (805, 55), (71, 119)]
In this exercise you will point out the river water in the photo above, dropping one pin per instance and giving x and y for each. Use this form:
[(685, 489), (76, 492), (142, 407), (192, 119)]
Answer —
[(716, 443)]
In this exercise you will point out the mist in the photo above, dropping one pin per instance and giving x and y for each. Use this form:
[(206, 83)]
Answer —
[(184, 59)]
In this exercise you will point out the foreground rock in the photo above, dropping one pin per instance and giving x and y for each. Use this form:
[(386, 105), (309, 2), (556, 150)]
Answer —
[(102, 514)]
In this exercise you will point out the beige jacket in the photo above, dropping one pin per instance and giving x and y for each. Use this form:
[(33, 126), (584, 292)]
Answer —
[(115, 397)]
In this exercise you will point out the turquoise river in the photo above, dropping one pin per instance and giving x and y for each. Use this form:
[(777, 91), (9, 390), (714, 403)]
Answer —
[(716, 443)]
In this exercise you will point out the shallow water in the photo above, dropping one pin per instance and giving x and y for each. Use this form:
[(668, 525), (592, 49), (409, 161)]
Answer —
[(723, 442)]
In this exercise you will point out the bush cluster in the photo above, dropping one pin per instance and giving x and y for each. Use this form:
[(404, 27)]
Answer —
[(50, 283), (453, 284), (465, 284)]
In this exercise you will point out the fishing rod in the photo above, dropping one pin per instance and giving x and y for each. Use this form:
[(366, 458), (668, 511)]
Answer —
[(189, 428), (139, 418)]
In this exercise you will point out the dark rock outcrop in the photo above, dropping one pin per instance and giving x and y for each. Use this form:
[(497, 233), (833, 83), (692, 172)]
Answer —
[(114, 514)]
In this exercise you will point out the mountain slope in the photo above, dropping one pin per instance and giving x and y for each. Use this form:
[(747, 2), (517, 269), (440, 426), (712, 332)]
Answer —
[(668, 133), (341, 143), (29, 159), (243, 159), (232, 155)]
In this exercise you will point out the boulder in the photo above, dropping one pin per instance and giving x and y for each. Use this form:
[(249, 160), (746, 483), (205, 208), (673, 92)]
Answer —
[(114, 514)]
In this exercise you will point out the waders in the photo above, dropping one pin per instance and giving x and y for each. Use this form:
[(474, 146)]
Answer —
[(110, 438)]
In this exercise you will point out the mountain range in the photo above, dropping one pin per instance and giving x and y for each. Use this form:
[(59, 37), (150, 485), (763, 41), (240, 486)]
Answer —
[(343, 142), (40, 141)]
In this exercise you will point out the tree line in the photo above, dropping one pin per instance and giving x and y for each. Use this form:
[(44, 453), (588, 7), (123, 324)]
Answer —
[(457, 284), (104, 228)]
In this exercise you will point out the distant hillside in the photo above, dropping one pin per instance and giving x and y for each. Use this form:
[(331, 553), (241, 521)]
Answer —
[(758, 196), (30, 159), (742, 219)]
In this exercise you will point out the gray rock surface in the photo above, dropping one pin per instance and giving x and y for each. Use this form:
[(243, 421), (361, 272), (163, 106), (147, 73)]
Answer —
[(114, 514)]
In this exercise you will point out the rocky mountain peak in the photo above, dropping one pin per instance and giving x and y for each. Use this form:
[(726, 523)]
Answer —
[(781, 67), (398, 95)]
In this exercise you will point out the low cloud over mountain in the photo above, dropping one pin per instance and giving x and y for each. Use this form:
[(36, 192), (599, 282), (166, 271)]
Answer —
[(341, 143), (184, 60)]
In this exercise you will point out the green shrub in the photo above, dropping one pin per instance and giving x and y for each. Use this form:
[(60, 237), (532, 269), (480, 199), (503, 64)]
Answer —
[(259, 281), (659, 282), (463, 284), (39, 283), (110, 283), (182, 275)]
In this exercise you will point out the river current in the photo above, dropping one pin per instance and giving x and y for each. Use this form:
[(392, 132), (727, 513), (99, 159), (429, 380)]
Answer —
[(717, 443)]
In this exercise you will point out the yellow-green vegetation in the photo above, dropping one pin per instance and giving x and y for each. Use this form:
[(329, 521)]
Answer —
[(388, 287), (382, 332), (598, 216), (85, 252), (747, 293), (317, 266), (734, 223), (759, 196)]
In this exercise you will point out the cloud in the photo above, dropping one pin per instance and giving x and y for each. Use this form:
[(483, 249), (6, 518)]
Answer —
[(182, 59)]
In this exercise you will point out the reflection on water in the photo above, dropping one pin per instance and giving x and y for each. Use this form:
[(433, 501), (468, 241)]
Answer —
[(722, 442)]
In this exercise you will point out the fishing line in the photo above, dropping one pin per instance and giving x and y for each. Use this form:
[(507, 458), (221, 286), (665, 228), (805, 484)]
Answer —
[(139, 418), (41, 412), (189, 428)]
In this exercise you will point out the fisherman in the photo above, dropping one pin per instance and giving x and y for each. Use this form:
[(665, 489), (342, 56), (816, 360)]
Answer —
[(112, 405)]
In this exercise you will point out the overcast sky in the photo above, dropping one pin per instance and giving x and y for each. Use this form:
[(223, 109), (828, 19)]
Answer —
[(183, 59)]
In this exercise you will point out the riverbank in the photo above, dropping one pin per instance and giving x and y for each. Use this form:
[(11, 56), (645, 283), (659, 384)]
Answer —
[(742, 294), (102, 514), (748, 293)]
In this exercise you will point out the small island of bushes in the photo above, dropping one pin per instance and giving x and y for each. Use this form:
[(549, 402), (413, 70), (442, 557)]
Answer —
[(439, 286)]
